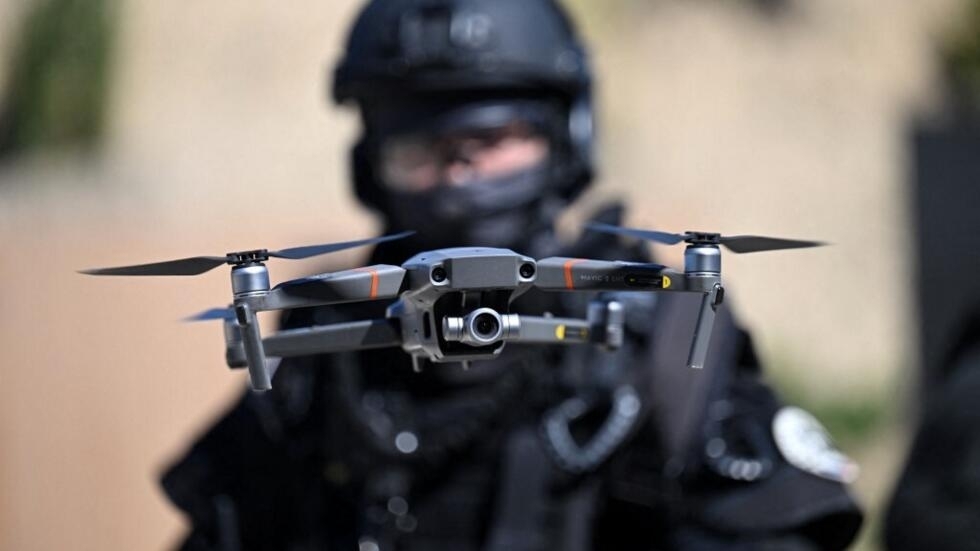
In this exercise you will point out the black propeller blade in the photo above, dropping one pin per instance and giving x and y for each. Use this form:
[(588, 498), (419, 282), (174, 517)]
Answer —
[(213, 314), (199, 264), (734, 243), (184, 267), (296, 253), (757, 243), (648, 235)]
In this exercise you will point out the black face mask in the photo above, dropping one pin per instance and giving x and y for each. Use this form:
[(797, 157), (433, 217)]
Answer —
[(511, 211)]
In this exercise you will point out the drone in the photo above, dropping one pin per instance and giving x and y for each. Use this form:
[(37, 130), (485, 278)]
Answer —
[(454, 305)]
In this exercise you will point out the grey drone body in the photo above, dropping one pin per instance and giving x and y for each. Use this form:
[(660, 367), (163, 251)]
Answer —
[(454, 305)]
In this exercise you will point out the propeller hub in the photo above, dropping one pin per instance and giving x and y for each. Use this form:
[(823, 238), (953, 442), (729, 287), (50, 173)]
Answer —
[(702, 238), (242, 258)]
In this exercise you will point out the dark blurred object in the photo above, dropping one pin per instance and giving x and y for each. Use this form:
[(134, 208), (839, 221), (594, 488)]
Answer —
[(62, 62), (936, 504), (947, 215)]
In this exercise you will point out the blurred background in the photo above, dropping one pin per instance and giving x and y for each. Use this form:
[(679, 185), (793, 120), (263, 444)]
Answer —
[(134, 131)]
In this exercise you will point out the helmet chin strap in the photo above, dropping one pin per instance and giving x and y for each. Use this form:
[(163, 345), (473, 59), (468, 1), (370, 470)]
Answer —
[(513, 211)]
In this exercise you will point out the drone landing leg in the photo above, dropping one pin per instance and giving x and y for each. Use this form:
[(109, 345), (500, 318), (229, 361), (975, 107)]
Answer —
[(254, 352), (710, 302)]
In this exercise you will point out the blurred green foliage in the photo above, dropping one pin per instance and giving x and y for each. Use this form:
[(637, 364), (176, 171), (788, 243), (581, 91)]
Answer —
[(852, 419), (57, 90), (962, 58), (852, 422)]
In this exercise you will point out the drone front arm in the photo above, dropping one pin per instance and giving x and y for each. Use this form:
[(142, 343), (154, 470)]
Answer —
[(578, 274), (575, 274)]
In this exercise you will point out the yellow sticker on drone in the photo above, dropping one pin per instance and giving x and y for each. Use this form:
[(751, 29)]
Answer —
[(560, 332), (666, 282)]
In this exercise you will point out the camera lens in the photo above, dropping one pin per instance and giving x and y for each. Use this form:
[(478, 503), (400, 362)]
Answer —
[(486, 325)]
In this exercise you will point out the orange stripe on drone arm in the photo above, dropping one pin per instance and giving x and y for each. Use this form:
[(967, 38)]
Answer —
[(569, 280), (374, 280)]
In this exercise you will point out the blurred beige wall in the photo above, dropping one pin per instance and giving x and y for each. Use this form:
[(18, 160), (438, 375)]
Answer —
[(711, 118)]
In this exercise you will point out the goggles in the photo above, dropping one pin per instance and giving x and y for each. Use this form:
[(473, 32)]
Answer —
[(420, 162), (422, 149)]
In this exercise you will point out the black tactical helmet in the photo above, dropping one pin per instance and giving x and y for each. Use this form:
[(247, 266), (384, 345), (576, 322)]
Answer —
[(398, 46), (404, 56)]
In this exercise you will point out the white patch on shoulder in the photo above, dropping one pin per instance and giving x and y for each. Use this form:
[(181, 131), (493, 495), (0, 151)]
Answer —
[(806, 445)]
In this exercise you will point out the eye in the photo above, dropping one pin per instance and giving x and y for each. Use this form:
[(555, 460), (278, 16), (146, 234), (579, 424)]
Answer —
[(408, 163)]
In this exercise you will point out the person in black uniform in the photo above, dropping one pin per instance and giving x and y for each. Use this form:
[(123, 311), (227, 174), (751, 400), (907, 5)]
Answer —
[(936, 500), (477, 131)]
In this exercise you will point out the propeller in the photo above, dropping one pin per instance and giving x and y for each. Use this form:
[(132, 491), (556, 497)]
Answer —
[(734, 243), (213, 314), (196, 265)]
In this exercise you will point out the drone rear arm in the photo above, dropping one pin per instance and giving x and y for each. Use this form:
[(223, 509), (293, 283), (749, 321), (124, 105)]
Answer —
[(604, 327), (337, 337), (385, 333)]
